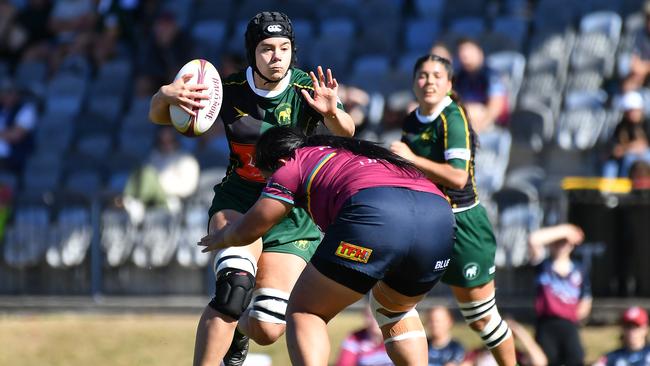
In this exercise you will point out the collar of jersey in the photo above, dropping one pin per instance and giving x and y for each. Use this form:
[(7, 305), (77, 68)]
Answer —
[(284, 83), (444, 103)]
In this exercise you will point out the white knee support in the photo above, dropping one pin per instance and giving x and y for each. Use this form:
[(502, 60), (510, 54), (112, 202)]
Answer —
[(269, 305), (396, 325), (496, 330), (235, 258)]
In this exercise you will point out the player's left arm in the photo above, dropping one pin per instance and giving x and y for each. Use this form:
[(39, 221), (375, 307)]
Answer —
[(325, 102), (254, 224)]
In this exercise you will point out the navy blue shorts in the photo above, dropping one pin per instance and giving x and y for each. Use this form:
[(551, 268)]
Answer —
[(397, 235)]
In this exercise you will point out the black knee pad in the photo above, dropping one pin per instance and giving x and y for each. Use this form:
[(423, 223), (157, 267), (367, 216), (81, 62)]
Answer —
[(233, 293)]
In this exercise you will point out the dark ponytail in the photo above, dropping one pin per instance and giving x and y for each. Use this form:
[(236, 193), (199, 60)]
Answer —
[(281, 143)]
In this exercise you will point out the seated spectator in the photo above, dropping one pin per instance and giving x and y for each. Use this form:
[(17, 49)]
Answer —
[(443, 349), (17, 121), (630, 140), (365, 346), (635, 350), (355, 101), (476, 83), (168, 176), (563, 293), (640, 175), (441, 49), (529, 353), (640, 59)]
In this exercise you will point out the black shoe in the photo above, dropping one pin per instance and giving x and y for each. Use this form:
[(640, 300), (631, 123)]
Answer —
[(238, 350)]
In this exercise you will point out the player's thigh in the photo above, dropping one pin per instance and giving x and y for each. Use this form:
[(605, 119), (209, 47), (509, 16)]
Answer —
[(222, 218), (279, 271)]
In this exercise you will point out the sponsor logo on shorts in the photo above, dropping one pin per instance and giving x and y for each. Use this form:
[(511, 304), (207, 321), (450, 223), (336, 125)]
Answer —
[(301, 244), (441, 264), (471, 271), (492, 269), (353, 252)]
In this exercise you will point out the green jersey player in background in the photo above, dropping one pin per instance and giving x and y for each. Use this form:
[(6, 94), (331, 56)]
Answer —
[(438, 139)]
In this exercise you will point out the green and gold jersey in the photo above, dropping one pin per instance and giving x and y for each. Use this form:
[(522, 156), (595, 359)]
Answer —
[(445, 137), (247, 112)]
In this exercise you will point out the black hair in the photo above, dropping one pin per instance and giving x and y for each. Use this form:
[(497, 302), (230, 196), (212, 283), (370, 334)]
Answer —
[(453, 95), (265, 25), (281, 143)]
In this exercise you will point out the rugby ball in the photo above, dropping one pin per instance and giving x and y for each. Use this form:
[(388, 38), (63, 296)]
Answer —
[(203, 72)]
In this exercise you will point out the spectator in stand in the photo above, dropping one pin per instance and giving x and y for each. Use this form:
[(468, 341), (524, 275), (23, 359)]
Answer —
[(32, 21), (443, 349), (17, 121), (169, 176), (441, 49), (640, 175), (355, 101), (478, 84), (364, 347), (72, 17), (640, 59), (529, 353), (563, 297), (166, 51), (630, 140), (635, 350)]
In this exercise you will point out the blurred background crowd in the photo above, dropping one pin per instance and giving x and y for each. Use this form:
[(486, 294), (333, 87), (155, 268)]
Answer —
[(95, 199)]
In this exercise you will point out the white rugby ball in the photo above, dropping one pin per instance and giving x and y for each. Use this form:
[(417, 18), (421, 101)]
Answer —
[(203, 72)]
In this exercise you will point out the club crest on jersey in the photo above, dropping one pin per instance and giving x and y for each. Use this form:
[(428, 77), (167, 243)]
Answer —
[(471, 271), (274, 28), (283, 114), (353, 252), (301, 244)]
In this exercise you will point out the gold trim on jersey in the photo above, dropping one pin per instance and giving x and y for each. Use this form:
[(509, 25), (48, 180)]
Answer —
[(303, 86)]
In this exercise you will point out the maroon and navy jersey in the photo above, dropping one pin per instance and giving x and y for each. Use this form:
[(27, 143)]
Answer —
[(321, 179), (558, 296), (626, 357)]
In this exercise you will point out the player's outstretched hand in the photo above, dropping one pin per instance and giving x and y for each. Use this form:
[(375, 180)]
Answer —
[(213, 241), (186, 96), (325, 92)]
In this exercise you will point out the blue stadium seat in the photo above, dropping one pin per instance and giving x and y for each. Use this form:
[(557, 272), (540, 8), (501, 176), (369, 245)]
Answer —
[(429, 9), (158, 239), (420, 34), (213, 9), (492, 159), (118, 236), (81, 183), (72, 234), (27, 238), (472, 27), (337, 28), (580, 128), (514, 28), (193, 229), (511, 67)]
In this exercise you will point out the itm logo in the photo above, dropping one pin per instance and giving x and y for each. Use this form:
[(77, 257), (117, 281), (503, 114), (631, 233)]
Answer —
[(471, 271), (353, 252), (274, 28), (283, 114)]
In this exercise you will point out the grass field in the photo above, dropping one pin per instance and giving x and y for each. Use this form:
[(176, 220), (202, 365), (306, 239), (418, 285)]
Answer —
[(128, 340)]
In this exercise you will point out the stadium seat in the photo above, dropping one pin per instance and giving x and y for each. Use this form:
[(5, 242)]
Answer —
[(594, 51), (321, 54), (213, 9), (31, 74), (27, 237), (420, 34), (532, 124), (72, 234), (514, 28), (193, 229), (580, 128), (83, 183), (209, 35), (378, 38), (42, 174), (492, 159), (337, 28), (158, 239), (585, 99), (586, 80), (511, 67), (472, 27), (546, 16), (460, 8), (429, 9), (118, 236)]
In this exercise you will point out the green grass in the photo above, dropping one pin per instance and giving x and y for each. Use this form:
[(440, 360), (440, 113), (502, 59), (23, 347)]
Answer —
[(128, 340)]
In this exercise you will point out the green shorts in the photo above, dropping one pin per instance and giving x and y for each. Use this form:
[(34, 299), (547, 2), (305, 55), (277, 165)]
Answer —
[(472, 260), (296, 234)]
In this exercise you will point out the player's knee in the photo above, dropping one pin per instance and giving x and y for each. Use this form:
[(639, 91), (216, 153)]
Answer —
[(484, 318), (266, 334), (396, 324), (235, 279)]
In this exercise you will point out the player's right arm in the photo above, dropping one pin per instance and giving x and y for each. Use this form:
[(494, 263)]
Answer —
[(177, 93)]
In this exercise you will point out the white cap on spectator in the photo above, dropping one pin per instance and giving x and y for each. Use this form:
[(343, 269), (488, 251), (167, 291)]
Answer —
[(631, 100)]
